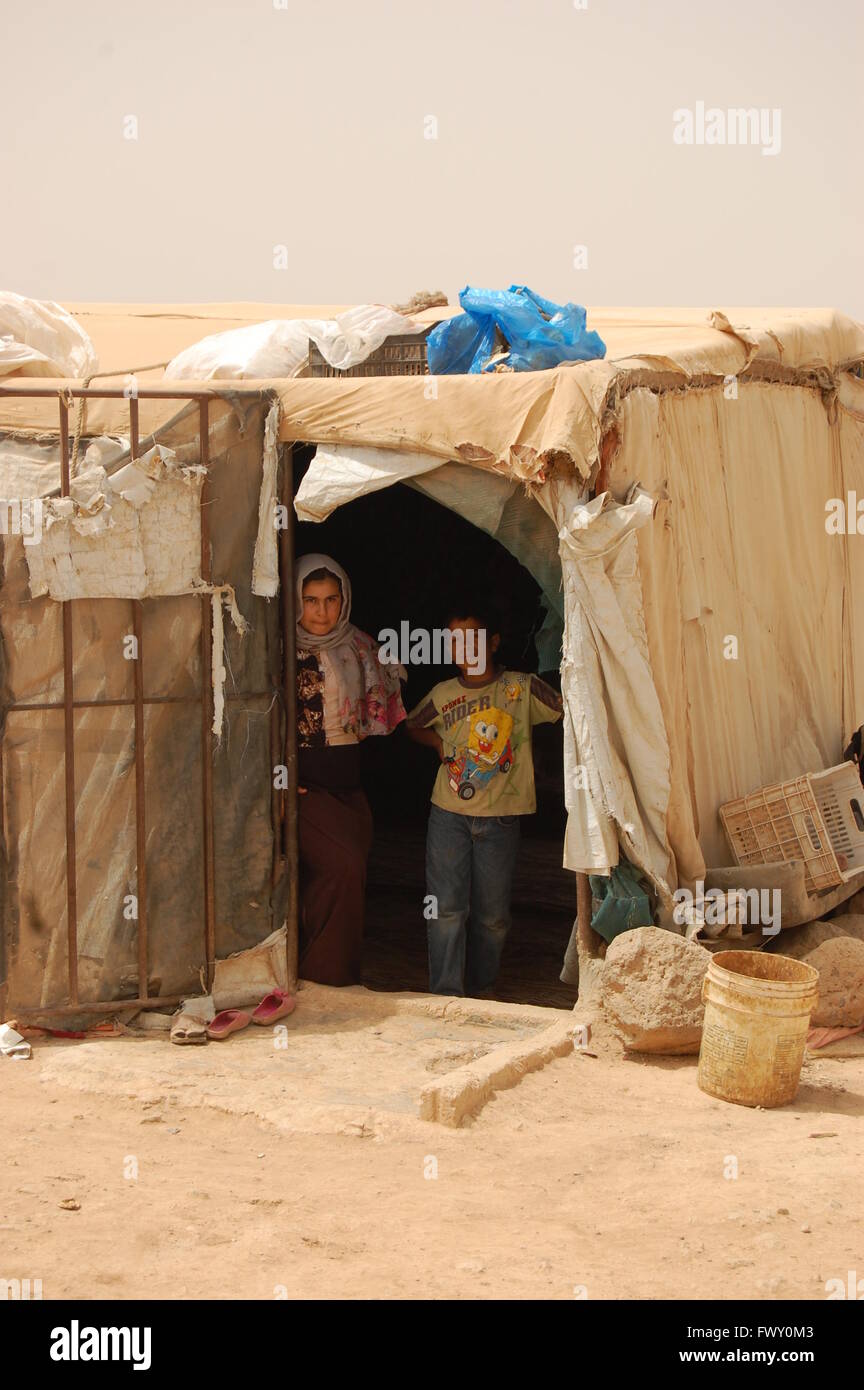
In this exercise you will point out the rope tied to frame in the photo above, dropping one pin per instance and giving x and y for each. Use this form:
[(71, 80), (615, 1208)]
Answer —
[(80, 418), (68, 398)]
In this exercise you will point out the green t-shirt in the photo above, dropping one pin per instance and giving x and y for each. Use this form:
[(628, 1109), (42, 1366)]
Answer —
[(486, 732)]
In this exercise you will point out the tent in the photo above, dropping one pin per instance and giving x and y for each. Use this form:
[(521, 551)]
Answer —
[(672, 500)]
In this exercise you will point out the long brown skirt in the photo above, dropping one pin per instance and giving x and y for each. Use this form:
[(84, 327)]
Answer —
[(335, 837)]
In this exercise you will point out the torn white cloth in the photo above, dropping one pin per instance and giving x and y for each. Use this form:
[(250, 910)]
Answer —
[(243, 979), (12, 1044), (280, 347), (39, 338), (340, 473), (617, 779), (500, 505), (200, 1007), (265, 562), (221, 594), (133, 534)]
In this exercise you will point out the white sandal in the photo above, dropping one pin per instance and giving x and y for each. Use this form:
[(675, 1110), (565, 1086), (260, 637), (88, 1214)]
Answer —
[(188, 1031)]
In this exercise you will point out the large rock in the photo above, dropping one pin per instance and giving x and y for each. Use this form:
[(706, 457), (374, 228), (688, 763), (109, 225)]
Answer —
[(850, 924), (840, 963), (856, 902), (652, 990), (798, 942)]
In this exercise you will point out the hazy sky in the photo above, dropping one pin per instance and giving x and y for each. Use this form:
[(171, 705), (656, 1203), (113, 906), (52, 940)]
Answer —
[(304, 126)]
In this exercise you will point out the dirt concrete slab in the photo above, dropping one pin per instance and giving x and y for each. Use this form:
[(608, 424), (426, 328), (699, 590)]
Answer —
[(346, 1061)]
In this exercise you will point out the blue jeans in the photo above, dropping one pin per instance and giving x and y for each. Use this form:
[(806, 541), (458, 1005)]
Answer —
[(469, 868)]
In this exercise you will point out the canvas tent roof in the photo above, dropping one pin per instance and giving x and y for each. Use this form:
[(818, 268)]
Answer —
[(129, 335), (738, 545), (517, 423)]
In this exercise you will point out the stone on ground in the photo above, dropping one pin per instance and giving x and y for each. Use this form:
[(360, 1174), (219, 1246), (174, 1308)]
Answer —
[(856, 902), (798, 942), (652, 990), (840, 963), (850, 924)]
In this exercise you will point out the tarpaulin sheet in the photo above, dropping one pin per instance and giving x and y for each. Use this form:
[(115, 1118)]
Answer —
[(616, 763), (522, 424), (737, 548), (124, 551), (662, 726), (33, 925), (754, 613)]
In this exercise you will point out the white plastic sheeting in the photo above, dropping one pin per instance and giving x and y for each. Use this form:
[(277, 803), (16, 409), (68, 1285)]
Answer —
[(616, 757), (506, 511), (265, 563), (341, 473), (279, 347), (28, 469), (39, 338), (496, 504), (135, 534), (222, 595)]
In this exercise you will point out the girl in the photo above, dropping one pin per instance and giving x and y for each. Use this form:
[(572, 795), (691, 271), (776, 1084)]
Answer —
[(344, 694)]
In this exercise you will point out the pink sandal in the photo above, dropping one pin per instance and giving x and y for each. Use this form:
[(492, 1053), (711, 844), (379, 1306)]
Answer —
[(229, 1021), (274, 1005)]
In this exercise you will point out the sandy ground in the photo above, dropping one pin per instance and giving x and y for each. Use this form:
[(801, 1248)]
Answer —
[(601, 1174)]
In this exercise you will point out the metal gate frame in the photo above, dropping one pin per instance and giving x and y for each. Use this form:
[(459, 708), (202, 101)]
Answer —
[(283, 808)]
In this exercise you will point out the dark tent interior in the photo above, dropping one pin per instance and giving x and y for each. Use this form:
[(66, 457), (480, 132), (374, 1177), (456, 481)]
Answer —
[(409, 558)]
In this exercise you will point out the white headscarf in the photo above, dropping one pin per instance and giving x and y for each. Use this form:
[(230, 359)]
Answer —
[(367, 694), (344, 630)]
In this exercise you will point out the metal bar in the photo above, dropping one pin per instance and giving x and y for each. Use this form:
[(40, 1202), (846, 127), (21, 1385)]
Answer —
[(289, 678), (4, 964), (144, 393), (591, 946), (101, 1006), (275, 799), (140, 804), (148, 700), (69, 742), (207, 709)]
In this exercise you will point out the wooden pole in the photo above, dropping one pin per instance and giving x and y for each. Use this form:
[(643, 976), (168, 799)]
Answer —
[(591, 946), (289, 680)]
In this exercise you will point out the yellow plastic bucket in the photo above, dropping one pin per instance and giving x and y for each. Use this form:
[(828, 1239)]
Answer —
[(757, 1013)]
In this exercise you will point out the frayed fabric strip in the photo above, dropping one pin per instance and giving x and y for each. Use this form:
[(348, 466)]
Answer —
[(221, 594), (265, 563)]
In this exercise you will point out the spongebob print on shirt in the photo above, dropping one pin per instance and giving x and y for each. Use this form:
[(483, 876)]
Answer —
[(488, 767), (488, 751)]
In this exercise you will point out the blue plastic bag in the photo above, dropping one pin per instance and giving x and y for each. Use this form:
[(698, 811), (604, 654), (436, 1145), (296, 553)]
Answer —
[(539, 333)]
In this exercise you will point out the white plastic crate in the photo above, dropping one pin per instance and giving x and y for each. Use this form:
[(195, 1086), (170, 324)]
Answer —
[(840, 798), (817, 818)]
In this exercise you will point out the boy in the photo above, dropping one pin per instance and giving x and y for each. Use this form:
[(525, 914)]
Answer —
[(480, 725)]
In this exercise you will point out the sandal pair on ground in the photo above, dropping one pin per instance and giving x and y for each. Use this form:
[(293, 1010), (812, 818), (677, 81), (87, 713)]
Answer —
[(188, 1030)]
